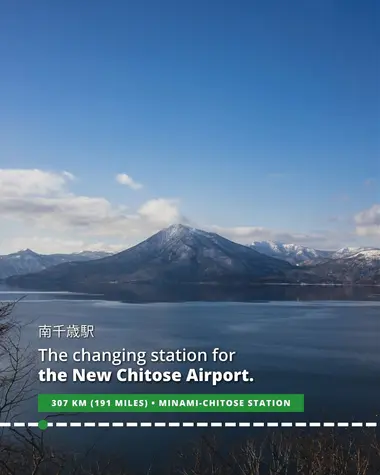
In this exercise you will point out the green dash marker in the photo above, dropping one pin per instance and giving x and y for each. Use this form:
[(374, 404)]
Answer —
[(42, 424)]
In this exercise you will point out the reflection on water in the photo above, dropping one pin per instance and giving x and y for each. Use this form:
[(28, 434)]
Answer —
[(260, 293), (326, 349)]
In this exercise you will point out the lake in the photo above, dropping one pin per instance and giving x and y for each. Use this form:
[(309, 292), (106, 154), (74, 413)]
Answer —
[(327, 350)]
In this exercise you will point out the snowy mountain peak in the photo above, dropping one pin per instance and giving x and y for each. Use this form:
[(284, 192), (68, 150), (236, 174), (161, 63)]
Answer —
[(293, 253), (269, 246), (27, 261), (349, 251), (178, 231), (344, 250), (301, 255), (366, 254), (176, 255)]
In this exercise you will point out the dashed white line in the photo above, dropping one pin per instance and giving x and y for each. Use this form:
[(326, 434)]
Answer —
[(189, 424)]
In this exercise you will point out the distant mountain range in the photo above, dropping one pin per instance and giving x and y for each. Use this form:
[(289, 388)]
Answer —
[(176, 255), (183, 263), (292, 253), (362, 267), (27, 261), (301, 255)]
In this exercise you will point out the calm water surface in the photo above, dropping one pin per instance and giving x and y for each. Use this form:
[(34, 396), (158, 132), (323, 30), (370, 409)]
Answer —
[(327, 350)]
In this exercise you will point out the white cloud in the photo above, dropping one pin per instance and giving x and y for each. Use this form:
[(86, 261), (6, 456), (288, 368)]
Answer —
[(81, 212), (368, 231), (369, 217), (125, 179), (43, 201), (39, 210), (161, 211), (368, 221), (15, 182)]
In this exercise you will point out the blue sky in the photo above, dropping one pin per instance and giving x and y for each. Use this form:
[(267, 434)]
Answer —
[(257, 119)]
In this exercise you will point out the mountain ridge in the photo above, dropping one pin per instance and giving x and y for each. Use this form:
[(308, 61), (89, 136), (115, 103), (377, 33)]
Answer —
[(293, 253), (178, 261), (177, 254), (27, 261), (302, 255)]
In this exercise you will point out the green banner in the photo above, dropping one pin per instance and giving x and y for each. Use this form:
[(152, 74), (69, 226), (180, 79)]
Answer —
[(170, 403)]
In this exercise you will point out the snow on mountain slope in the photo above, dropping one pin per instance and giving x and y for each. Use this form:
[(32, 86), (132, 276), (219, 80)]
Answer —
[(349, 251), (176, 255), (183, 255), (366, 255), (293, 253), (27, 261), (362, 267), (301, 255)]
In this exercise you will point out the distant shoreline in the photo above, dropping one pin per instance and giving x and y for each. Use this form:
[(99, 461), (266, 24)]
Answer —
[(265, 292)]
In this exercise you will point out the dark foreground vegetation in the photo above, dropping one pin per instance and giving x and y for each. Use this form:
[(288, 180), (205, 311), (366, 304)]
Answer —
[(27, 451), (278, 453)]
